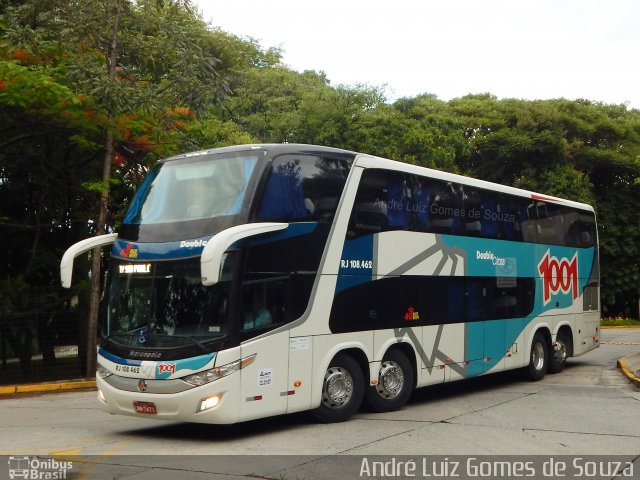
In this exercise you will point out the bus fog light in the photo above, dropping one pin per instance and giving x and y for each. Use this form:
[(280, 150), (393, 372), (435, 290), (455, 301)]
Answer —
[(209, 402)]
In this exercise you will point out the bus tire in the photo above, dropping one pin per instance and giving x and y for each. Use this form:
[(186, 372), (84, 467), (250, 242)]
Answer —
[(559, 354), (342, 390), (538, 358), (395, 383)]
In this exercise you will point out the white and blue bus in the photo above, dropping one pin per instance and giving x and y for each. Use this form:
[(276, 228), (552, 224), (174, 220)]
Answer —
[(260, 280)]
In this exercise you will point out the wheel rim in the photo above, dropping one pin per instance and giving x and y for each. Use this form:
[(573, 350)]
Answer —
[(560, 351), (338, 387), (390, 380), (538, 356)]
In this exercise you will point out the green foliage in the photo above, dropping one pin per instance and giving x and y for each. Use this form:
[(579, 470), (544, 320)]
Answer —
[(619, 322), (560, 180)]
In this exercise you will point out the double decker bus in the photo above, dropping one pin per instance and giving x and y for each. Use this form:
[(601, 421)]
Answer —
[(260, 280)]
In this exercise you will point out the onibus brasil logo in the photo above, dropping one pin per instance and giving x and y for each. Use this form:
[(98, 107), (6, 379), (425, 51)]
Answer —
[(558, 276), (35, 468)]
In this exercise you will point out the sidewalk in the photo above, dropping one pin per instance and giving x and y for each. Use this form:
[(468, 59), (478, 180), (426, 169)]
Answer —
[(48, 386)]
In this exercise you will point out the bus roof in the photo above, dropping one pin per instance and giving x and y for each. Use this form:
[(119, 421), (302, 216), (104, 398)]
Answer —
[(272, 148), (371, 161)]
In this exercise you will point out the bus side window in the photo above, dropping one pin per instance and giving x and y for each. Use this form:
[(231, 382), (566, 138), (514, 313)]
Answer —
[(529, 223), (302, 188), (398, 197), (473, 219), (421, 196), (510, 228), (587, 233), (581, 230), (489, 214), (442, 208), (283, 198), (263, 304), (370, 209)]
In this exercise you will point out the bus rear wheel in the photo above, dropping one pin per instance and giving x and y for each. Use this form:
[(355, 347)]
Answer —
[(539, 358), (342, 390), (395, 383)]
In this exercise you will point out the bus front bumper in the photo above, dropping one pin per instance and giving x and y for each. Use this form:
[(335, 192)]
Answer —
[(216, 402)]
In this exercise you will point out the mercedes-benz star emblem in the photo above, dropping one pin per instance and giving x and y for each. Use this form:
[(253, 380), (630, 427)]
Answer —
[(142, 385)]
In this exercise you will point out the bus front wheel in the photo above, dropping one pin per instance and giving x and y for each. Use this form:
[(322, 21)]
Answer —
[(395, 383), (539, 358), (342, 390)]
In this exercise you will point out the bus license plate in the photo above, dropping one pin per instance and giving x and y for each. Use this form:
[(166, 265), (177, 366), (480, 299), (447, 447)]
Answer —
[(145, 407)]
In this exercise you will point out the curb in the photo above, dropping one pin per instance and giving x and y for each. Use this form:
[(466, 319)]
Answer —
[(613, 327), (622, 365), (47, 387)]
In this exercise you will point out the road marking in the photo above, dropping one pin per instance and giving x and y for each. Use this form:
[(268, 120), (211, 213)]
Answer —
[(73, 455)]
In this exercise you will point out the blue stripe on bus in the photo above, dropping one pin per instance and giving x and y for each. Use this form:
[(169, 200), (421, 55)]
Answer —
[(194, 364), (136, 251), (356, 265)]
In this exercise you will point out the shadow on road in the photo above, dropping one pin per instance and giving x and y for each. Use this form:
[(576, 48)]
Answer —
[(221, 433)]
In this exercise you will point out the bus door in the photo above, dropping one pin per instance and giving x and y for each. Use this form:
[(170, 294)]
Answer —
[(264, 381)]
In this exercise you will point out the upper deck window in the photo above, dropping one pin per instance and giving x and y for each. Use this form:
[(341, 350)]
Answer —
[(303, 187), (390, 200), (199, 187)]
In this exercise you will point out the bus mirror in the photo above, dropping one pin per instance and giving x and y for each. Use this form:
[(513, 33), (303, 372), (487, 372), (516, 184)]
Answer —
[(211, 260), (66, 264)]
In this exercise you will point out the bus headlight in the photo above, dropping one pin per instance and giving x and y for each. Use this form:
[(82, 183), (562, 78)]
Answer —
[(208, 376)]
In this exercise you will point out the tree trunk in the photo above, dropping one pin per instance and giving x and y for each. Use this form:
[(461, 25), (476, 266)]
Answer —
[(96, 257), (96, 260)]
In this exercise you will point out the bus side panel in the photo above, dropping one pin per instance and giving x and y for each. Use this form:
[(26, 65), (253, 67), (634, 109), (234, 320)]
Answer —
[(494, 343), (514, 331), (300, 374), (265, 380), (588, 333), (432, 357)]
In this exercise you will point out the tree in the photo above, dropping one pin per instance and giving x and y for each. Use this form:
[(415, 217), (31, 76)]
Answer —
[(276, 104), (129, 64)]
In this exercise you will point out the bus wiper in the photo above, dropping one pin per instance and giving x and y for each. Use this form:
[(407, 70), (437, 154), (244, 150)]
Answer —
[(200, 345), (204, 348)]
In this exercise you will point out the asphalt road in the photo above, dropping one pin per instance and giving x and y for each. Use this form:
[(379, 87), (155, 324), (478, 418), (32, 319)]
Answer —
[(588, 409)]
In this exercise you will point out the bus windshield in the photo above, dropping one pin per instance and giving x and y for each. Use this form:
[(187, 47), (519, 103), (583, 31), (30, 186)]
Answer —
[(164, 304), (202, 186)]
